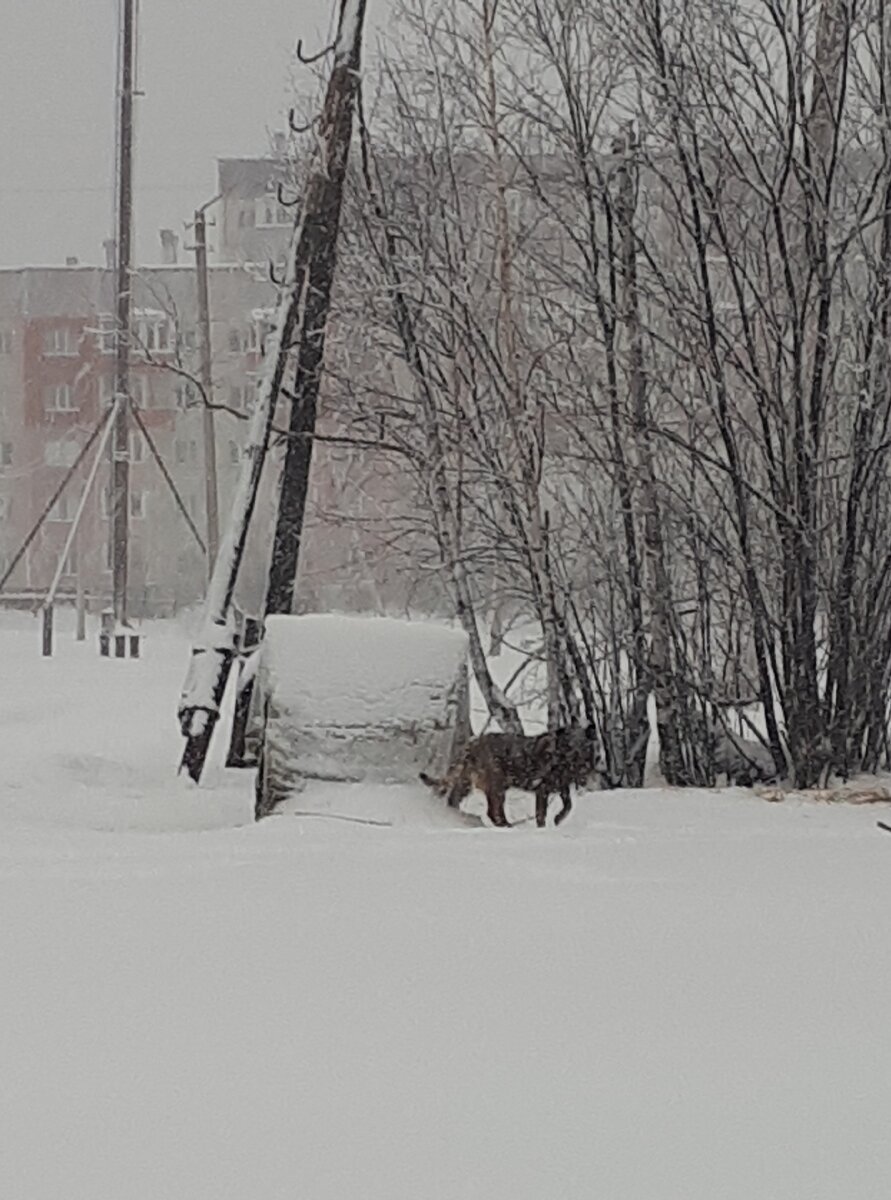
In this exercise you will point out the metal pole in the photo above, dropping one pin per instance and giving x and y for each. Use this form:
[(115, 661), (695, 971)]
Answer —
[(22, 552), (211, 502), (80, 598), (121, 442), (47, 631), (78, 516)]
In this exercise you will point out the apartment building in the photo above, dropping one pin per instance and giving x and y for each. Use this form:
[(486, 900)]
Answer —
[(56, 382), (253, 222)]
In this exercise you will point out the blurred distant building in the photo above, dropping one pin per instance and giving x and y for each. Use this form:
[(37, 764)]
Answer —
[(254, 225), (56, 375)]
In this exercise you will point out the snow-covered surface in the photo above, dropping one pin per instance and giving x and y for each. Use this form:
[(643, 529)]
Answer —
[(214, 644), (675, 996), (337, 670), (349, 28), (362, 697)]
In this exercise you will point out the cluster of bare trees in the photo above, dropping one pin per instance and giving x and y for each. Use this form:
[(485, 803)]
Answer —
[(623, 270)]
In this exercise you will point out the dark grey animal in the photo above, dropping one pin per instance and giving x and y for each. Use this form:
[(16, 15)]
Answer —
[(547, 763)]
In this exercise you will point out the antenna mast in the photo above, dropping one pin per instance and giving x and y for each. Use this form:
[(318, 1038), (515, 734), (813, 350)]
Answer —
[(120, 534)]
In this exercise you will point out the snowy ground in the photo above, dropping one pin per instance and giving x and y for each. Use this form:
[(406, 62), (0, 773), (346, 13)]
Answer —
[(673, 997)]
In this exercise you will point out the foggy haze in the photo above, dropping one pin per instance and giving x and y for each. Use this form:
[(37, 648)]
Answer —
[(216, 77)]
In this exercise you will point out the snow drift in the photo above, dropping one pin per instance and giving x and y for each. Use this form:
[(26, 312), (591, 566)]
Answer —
[(680, 994)]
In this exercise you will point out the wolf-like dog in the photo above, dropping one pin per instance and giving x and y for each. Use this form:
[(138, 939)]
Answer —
[(547, 763)]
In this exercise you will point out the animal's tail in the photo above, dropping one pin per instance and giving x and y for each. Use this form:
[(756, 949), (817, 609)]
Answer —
[(440, 786), (455, 786)]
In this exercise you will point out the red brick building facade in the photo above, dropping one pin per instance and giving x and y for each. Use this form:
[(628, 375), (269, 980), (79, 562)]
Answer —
[(56, 382)]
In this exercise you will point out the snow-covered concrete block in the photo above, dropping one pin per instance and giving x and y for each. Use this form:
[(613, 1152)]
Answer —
[(359, 698)]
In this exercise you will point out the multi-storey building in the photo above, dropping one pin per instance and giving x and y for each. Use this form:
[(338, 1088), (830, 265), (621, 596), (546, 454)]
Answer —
[(56, 382), (57, 375), (254, 225)]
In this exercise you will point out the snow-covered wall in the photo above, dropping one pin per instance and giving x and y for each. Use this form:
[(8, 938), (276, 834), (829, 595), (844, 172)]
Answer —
[(361, 698)]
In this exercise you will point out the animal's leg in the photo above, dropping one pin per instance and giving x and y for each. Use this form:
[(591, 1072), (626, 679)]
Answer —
[(495, 802), (567, 806), (541, 807)]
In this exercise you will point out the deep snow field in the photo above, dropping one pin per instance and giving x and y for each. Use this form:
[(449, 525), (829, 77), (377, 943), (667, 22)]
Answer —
[(675, 996)]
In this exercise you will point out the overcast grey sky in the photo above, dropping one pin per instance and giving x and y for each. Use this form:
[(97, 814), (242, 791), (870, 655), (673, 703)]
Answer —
[(215, 75)]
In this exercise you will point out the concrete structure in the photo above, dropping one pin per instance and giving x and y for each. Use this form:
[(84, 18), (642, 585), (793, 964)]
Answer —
[(357, 699)]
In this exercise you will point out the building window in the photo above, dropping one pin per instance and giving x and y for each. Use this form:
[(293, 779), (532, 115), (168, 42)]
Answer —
[(61, 454), (246, 217), (105, 333), (63, 509), (70, 567), (5, 341), (235, 342), (185, 451), (5, 454), (241, 397), (190, 339), (259, 330), (152, 331), (186, 394), (4, 507), (106, 390), (58, 398), (137, 505), (140, 391), (58, 341), (137, 447), (269, 214), (234, 453)]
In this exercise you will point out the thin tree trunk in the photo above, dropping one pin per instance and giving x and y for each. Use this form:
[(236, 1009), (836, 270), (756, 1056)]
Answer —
[(525, 421), (670, 719), (446, 524)]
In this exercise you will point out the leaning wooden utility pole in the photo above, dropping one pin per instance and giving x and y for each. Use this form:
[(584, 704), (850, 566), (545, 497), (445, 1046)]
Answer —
[(299, 331), (321, 223), (211, 504), (124, 236)]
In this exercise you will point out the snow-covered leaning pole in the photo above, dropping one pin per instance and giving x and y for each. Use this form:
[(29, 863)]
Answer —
[(301, 318)]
